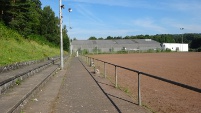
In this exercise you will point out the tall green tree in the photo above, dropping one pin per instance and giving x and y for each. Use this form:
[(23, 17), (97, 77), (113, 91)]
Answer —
[(66, 41), (49, 25), (21, 15), (92, 38)]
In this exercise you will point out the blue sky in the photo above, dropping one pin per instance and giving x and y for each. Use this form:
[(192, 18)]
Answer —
[(102, 18)]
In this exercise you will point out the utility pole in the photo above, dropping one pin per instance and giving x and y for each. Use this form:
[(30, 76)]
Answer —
[(182, 38), (182, 34), (70, 10), (61, 6), (61, 34)]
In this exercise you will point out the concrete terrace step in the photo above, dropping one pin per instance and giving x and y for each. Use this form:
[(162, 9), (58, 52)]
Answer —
[(15, 97), (9, 79)]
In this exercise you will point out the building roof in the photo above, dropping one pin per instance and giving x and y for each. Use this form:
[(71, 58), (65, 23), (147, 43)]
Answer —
[(118, 44)]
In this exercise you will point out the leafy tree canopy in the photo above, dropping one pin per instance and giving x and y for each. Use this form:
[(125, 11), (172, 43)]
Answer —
[(29, 19)]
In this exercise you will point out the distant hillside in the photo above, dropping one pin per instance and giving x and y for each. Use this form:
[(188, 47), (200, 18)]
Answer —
[(15, 48)]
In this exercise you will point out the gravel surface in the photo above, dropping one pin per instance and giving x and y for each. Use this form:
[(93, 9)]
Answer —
[(157, 95)]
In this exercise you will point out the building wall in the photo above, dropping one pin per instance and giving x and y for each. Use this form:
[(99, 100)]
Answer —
[(114, 45), (175, 47)]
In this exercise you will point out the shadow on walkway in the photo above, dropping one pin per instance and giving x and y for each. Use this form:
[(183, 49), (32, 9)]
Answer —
[(121, 101)]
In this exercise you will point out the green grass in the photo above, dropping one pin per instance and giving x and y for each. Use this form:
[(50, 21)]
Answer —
[(15, 48)]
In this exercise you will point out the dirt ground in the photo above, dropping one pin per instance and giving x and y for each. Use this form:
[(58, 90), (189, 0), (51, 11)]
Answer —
[(159, 96)]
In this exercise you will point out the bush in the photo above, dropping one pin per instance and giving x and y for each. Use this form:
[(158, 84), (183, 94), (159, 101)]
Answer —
[(199, 49), (122, 52), (168, 50)]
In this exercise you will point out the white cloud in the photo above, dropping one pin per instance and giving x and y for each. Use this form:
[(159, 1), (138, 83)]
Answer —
[(149, 24), (191, 5), (84, 11), (123, 3)]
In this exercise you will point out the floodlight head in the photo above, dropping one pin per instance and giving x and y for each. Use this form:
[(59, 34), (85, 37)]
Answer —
[(69, 10), (181, 28), (62, 6)]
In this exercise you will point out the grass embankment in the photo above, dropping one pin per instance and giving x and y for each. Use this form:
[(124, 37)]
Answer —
[(15, 48)]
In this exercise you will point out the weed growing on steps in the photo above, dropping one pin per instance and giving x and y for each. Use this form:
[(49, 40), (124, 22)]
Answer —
[(18, 81)]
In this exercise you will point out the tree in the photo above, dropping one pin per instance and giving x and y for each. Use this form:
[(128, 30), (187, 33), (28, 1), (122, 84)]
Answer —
[(127, 37), (66, 42), (109, 38), (100, 38), (38, 3), (21, 15), (92, 38), (49, 25)]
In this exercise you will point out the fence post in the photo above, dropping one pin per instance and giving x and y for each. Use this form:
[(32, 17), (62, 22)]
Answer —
[(115, 76), (88, 61), (104, 70), (139, 90)]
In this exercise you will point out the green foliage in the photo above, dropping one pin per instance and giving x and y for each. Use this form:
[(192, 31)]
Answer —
[(18, 81), (66, 41), (14, 48), (49, 25), (41, 40), (96, 50), (27, 17), (92, 38), (122, 52), (100, 38), (168, 50), (196, 43), (151, 51), (85, 51)]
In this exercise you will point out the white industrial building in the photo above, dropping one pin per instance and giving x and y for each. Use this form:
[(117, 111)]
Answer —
[(175, 47)]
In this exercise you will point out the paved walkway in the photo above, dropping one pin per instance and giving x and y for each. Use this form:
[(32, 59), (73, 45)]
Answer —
[(83, 92)]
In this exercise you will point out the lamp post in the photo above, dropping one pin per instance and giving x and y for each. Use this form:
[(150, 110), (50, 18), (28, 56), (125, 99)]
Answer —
[(61, 35), (182, 37), (70, 10), (182, 34)]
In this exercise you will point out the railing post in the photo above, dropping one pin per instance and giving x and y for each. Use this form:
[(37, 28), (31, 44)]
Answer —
[(88, 61), (115, 76), (91, 62), (104, 70), (139, 90), (94, 66)]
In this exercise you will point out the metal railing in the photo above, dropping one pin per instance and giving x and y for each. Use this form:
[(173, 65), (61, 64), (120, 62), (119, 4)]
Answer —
[(89, 61)]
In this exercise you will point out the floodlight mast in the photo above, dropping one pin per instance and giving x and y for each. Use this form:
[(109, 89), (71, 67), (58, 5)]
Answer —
[(182, 34), (70, 10), (61, 35), (182, 38)]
